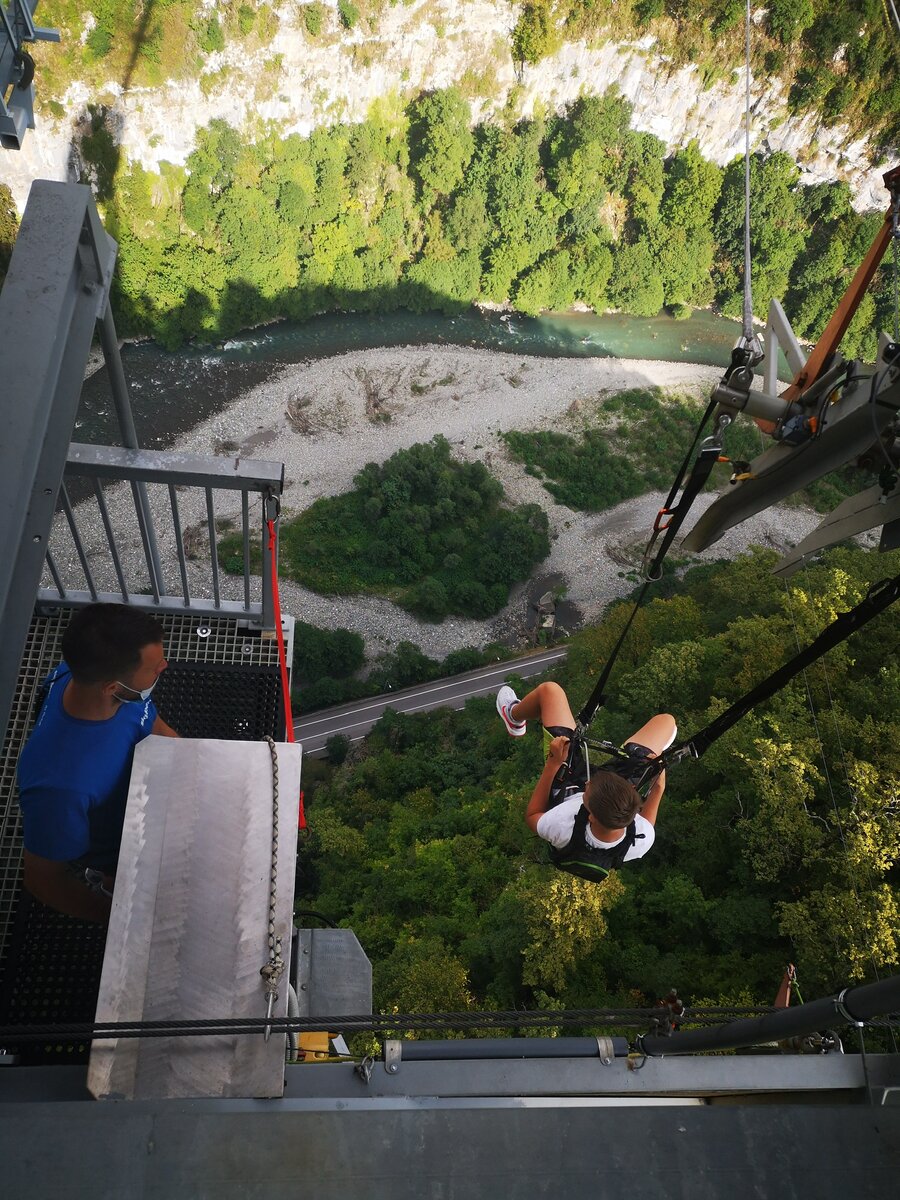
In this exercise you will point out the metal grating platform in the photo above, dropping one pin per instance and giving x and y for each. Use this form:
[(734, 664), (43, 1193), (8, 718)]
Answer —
[(223, 683), (54, 975)]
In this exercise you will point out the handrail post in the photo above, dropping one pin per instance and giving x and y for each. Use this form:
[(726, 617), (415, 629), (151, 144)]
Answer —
[(270, 510), (122, 400)]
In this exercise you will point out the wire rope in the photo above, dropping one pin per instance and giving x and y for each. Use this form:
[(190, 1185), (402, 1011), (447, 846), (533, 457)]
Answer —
[(747, 329)]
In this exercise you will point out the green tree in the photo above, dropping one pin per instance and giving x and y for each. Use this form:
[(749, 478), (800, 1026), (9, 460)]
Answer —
[(788, 19), (776, 230), (9, 228), (636, 285), (441, 142), (535, 35)]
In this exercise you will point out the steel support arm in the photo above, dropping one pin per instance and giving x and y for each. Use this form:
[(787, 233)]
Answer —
[(852, 1006)]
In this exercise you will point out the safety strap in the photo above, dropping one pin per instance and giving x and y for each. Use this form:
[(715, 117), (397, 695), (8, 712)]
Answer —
[(706, 460), (655, 569), (597, 697), (282, 655), (879, 597)]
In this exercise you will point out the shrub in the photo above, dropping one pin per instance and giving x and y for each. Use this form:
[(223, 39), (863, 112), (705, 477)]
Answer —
[(212, 39), (348, 13), (246, 19), (535, 35), (337, 748), (314, 18)]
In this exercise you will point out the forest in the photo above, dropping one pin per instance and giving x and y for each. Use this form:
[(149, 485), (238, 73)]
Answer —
[(417, 208), (780, 844)]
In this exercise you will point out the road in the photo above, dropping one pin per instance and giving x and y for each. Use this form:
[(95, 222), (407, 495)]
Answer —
[(355, 720)]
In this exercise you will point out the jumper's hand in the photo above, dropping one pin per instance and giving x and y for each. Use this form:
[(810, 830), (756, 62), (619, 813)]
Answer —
[(558, 752)]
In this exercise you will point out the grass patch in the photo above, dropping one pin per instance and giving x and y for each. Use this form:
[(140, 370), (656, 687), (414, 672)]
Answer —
[(640, 447)]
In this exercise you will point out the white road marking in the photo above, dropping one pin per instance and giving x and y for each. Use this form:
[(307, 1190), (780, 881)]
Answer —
[(307, 724)]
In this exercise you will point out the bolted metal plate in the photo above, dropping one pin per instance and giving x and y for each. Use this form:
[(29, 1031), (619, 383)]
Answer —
[(333, 976)]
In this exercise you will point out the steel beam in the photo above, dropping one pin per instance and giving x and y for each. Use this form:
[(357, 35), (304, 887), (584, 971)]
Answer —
[(855, 515), (412, 1151), (56, 288)]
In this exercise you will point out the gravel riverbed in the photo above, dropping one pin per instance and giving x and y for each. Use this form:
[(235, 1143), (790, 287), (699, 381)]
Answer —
[(327, 418)]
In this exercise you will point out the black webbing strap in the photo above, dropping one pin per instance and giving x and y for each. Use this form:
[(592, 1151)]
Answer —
[(667, 509), (597, 697), (706, 460), (879, 597)]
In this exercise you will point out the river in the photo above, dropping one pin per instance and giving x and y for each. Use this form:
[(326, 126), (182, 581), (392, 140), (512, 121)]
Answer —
[(173, 391)]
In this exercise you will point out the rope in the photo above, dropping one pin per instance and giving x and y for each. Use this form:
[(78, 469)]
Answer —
[(282, 654), (636, 1018), (895, 239), (273, 970)]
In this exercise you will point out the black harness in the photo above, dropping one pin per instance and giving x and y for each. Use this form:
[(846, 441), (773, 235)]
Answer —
[(591, 862), (594, 863)]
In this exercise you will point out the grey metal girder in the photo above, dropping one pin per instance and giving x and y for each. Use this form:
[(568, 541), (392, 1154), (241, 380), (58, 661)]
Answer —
[(433, 1151), (855, 515), (166, 466), (56, 289), (849, 428)]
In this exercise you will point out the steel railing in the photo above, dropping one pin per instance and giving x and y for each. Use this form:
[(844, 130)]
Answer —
[(112, 566)]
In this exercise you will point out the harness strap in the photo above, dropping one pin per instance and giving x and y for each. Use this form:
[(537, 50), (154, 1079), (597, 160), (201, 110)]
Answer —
[(880, 596)]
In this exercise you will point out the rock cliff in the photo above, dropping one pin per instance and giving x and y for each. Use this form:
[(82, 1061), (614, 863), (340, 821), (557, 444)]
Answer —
[(297, 82)]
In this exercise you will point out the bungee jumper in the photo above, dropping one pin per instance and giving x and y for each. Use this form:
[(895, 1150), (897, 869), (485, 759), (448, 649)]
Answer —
[(594, 822), (593, 826)]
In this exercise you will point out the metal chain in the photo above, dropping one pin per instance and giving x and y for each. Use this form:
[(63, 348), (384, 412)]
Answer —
[(274, 969)]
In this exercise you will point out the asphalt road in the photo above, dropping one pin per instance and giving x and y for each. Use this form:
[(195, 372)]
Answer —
[(355, 720)]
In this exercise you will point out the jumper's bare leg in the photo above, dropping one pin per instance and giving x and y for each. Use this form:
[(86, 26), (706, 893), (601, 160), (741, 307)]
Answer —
[(657, 734), (547, 703)]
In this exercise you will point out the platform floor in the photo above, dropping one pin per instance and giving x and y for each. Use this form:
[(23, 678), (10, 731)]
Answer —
[(223, 681)]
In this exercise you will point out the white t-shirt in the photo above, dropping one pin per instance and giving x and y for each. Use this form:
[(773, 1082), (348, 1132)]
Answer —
[(556, 828)]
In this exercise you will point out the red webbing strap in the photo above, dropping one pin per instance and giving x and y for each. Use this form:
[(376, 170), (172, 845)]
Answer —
[(282, 658)]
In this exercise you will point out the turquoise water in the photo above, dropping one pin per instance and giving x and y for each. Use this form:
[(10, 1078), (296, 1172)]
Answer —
[(171, 392)]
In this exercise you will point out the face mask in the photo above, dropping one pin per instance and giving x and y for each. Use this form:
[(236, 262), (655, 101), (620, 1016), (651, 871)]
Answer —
[(144, 695)]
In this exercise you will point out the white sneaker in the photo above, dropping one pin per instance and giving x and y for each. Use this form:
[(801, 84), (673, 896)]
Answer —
[(506, 698)]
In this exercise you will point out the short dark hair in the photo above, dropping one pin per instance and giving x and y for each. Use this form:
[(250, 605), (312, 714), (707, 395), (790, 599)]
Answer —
[(612, 800), (104, 641)]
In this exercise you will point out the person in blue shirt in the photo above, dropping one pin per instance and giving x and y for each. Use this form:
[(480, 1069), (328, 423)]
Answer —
[(75, 769)]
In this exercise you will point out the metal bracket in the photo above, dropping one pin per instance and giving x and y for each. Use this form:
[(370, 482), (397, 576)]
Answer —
[(606, 1050), (393, 1053), (841, 1009)]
